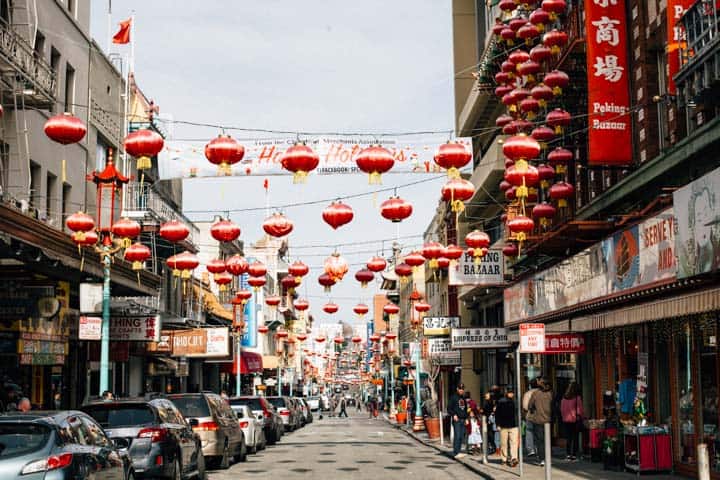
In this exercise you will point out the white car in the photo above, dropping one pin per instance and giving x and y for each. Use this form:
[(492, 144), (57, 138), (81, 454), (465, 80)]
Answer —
[(313, 403), (251, 427)]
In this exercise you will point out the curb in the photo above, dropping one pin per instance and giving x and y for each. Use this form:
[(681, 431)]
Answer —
[(469, 466)]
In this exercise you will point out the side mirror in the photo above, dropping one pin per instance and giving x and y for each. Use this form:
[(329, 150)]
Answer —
[(194, 422)]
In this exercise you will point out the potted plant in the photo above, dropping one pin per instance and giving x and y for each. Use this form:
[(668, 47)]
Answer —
[(401, 415), (432, 421)]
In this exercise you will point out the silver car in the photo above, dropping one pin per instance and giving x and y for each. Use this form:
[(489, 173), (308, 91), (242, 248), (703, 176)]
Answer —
[(286, 410), (252, 427)]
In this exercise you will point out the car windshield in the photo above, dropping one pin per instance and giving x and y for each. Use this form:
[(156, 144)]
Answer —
[(115, 416), (23, 438), (278, 402), (252, 403), (192, 407)]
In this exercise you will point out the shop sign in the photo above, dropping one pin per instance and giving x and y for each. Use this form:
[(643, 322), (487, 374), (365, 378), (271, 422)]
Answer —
[(135, 329), (337, 155), (697, 210), (675, 34), (490, 270), (439, 326), (441, 352), (200, 342), (479, 338), (19, 301), (250, 314), (90, 328), (532, 338), (91, 296), (609, 134), (41, 349), (657, 248), (564, 343)]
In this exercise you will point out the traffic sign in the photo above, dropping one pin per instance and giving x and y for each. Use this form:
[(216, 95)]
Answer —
[(532, 338)]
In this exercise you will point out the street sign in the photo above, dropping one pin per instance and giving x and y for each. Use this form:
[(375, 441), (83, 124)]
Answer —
[(532, 338), (90, 328), (479, 338), (439, 326)]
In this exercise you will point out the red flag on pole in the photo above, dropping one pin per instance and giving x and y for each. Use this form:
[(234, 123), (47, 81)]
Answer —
[(123, 35)]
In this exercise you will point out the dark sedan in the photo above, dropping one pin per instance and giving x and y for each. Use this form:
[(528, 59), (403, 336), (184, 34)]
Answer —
[(59, 446), (159, 440)]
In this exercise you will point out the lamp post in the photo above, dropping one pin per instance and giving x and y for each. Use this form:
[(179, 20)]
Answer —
[(238, 304)]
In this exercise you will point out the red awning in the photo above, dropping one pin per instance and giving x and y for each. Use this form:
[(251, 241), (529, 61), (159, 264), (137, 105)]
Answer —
[(250, 362)]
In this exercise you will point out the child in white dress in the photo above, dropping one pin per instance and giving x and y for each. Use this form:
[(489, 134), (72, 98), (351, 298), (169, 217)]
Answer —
[(475, 437)]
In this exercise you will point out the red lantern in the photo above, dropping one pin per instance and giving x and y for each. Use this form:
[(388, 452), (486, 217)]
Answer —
[(126, 229), (432, 251), (516, 23), (422, 307), (223, 280), (542, 93), (544, 212), (497, 28), (545, 173), (137, 253), (415, 260), (241, 297), (375, 160), (404, 271), (143, 145), (390, 336), (80, 222), (215, 265), (543, 135), (530, 107), (277, 225), (507, 66), (174, 231), (262, 329), (503, 78), (361, 309), (560, 158), (236, 265), (330, 308), (301, 337), (559, 119), (508, 35), (374, 338), (257, 282), (364, 276), (556, 80), (85, 239), (511, 250), (457, 191), (529, 69), (65, 129), (452, 156), (356, 339), (301, 160), (507, 6), (540, 18), (561, 192), (503, 90), (336, 266), (298, 269), (326, 281), (453, 252), (520, 227), (224, 231), (555, 7), (272, 301), (224, 152), (391, 309), (443, 263), (528, 32), (504, 185), (510, 194), (321, 339), (555, 39), (522, 176), (376, 264), (518, 56), (289, 283), (281, 333), (503, 120), (337, 214), (301, 304), (186, 262), (395, 209), (521, 147), (257, 269), (478, 242)]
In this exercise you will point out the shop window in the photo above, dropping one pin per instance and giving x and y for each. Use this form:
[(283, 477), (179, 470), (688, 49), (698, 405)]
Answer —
[(709, 385), (662, 404), (686, 401)]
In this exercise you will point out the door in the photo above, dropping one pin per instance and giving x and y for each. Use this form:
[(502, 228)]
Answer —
[(111, 465), (185, 435)]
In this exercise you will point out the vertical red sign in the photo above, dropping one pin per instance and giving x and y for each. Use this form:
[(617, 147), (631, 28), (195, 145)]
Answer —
[(675, 33), (610, 140)]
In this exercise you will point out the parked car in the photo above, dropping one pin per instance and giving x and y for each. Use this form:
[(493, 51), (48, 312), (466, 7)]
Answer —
[(287, 412), (252, 427), (305, 409), (158, 439), (272, 423), (217, 425), (313, 403), (350, 400), (302, 421), (60, 446)]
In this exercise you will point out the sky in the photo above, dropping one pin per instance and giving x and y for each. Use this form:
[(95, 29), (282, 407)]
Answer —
[(314, 66)]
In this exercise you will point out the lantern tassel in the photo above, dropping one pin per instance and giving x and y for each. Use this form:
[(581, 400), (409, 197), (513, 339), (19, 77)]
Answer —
[(453, 173), (63, 170), (300, 177), (138, 277), (374, 178), (82, 260)]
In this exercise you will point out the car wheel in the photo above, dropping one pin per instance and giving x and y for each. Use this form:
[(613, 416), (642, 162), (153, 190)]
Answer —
[(225, 459), (202, 473)]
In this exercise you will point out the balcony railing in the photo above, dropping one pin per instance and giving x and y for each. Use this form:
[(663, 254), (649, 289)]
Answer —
[(41, 83), (700, 23), (142, 202)]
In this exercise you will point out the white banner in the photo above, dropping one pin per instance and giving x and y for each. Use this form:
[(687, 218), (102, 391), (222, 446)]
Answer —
[(479, 337), (182, 159), (90, 328), (490, 271), (137, 329), (441, 350)]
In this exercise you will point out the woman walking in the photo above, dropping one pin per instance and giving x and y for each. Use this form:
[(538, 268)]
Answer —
[(571, 409)]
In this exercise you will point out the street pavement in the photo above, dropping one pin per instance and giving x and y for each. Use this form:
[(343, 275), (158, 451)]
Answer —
[(347, 448)]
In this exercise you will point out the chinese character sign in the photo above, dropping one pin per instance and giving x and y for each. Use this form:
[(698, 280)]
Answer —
[(610, 141)]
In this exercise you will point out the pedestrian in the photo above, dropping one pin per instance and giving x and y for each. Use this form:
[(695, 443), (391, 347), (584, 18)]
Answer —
[(358, 403), (540, 413), (24, 405), (333, 405), (108, 396), (571, 410), (370, 406), (506, 419), (489, 412), (475, 437), (224, 395), (457, 409), (343, 405), (529, 426)]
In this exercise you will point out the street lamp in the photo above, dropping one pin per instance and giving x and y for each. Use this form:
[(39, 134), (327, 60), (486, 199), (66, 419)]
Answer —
[(238, 303), (415, 322)]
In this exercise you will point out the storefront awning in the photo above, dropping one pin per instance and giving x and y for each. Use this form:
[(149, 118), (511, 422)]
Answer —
[(270, 361), (250, 362)]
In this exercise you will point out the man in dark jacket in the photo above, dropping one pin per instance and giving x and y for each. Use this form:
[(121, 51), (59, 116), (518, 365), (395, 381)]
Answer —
[(540, 413), (457, 408), (506, 420)]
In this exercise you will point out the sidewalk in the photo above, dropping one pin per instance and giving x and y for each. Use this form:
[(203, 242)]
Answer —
[(561, 469)]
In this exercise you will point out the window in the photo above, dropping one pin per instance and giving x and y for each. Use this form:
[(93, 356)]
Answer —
[(69, 88), (55, 67), (72, 7), (4, 165), (39, 50), (101, 150), (95, 434), (51, 197), (66, 203), (35, 184)]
